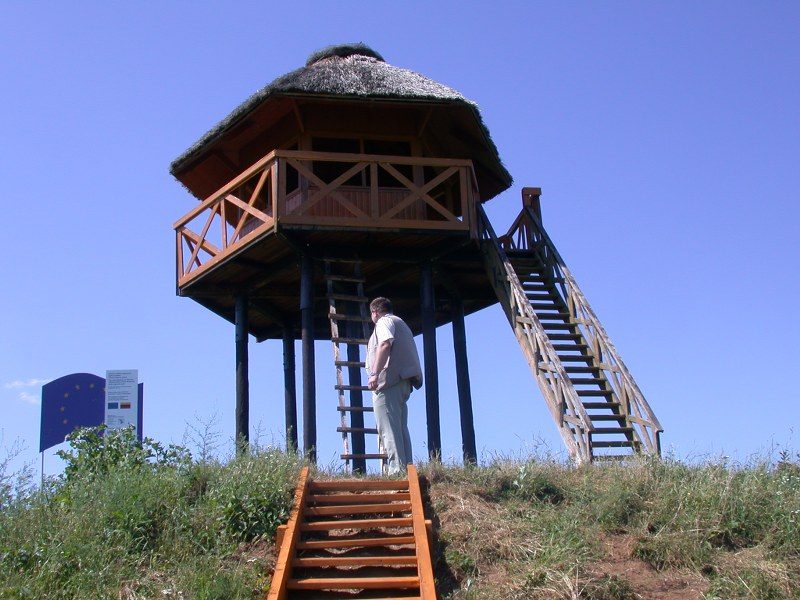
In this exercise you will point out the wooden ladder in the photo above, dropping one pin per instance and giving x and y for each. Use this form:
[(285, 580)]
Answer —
[(350, 319), (595, 402), (355, 538)]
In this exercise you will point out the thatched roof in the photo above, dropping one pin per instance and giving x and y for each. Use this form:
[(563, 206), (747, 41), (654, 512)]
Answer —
[(347, 71)]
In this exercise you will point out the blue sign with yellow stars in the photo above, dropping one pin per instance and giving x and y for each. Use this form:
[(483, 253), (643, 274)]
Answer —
[(74, 401)]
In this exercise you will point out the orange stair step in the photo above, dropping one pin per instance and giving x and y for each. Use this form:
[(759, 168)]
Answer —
[(357, 509), (355, 485), (356, 561), (396, 540), (356, 524), (350, 498), (353, 583)]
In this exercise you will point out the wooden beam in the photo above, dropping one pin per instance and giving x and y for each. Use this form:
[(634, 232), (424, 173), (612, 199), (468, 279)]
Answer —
[(242, 377), (309, 379), (289, 389), (462, 381), (428, 306)]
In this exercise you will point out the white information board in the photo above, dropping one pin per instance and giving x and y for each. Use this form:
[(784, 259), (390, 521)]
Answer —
[(122, 399)]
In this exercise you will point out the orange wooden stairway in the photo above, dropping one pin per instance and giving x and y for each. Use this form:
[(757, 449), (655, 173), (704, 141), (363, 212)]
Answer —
[(355, 538)]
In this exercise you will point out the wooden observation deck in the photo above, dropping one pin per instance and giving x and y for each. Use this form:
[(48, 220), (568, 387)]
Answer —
[(389, 212)]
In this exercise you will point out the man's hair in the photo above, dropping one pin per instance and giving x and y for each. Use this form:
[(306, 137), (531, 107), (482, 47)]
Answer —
[(381, 305)]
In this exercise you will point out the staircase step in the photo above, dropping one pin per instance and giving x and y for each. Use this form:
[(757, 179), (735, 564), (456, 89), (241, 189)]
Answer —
[(352, 485), (348, 297), (398, 540), (356, 430), (564, 336), (607, 430), (355, 561), (575, 358), (606, 418), (559, 325), (595, 405), (550, 316), (357, 509), (586, 380), (613, 444), (349, 363), (607, 393), (364, 456), (354, 408), (349, 388), (356, 524), (365, 498), (353, 583), (570, 347), (543, 306), (346, 340), (581, 369)]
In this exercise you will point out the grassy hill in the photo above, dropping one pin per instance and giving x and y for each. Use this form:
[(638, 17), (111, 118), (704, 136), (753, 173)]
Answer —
[(136, 520)]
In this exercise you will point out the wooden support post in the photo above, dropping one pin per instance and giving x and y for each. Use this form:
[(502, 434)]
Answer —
[(462, 381), (431, 363), (242, 377), (309, 380), (290, 389), (356, 330)]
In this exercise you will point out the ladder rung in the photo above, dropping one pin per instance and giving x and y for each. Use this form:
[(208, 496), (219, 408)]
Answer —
[(563, 336), (348, 297), (356, 430), (586, 380), (559, 315), (581, 369), (346, 340), (349, 278), (362, 388), (397, 540), (354, 408), (606, 418), (353, 583), (594, 392), (364, 456), (349, 363), (344, 317), (543, 306)]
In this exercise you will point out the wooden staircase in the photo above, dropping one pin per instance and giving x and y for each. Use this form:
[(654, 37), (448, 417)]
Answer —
[(355, 538), (594, 400), (350, 330)]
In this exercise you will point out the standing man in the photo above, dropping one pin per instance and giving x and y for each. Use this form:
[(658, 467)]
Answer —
[(393, 367)]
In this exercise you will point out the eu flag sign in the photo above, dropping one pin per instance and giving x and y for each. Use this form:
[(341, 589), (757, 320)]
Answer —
[(74, 401)]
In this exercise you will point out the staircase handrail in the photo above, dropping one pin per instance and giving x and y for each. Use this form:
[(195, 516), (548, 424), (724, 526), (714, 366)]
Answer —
[(583, 309), (562, 397)]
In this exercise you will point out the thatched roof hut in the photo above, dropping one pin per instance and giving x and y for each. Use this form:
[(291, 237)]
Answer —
[(449, 124)]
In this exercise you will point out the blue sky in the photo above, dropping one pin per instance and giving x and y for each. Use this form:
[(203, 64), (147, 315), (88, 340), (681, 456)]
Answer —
[(665, 136)]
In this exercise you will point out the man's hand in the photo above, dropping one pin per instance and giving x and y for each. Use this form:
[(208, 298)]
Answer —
[(372, 383)]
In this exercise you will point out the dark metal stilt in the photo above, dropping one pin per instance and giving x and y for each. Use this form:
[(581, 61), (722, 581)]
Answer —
[(431, 363), (242, 377)]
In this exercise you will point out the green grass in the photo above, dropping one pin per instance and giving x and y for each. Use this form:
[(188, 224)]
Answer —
[(135, 520)]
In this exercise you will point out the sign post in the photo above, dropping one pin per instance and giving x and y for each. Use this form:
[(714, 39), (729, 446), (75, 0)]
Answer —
[(122, 399)]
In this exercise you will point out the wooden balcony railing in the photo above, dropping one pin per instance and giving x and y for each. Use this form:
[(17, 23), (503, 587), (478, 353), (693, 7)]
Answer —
[(296, 188)]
